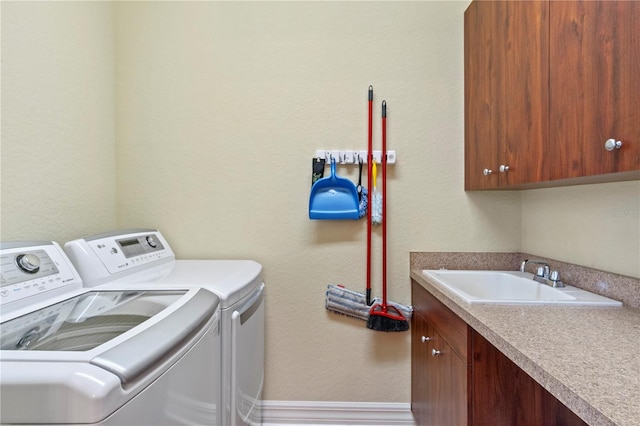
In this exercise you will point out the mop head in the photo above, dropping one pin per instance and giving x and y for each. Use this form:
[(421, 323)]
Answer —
[(386, 318), (354, 304), (376, 208), (346, 302)]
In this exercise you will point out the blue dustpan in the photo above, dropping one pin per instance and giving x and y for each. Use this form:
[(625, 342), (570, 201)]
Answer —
[(334, 198)]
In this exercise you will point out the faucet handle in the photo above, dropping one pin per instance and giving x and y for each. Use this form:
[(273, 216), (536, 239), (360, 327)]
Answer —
[(542, 271), (554, 277)]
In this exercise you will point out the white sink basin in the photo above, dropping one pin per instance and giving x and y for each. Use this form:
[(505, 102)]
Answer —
[(512, 288)]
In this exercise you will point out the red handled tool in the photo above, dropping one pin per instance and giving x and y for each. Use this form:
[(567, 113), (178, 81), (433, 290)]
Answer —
[(369, 181), (383, 317)]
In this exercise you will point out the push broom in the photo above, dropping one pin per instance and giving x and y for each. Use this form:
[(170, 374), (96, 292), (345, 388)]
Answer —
[(384, 316)]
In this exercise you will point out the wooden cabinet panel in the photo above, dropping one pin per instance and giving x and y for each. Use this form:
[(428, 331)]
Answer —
[(480, 146), (482, 388), (503, 394), (523, 89), (439, 379), (506, 92), (442, 319), (448, 384), (419, 368), (594, 86), (547, 83)]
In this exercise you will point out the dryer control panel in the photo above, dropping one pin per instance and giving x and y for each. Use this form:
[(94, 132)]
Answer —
[(104, 256), (32, 268)]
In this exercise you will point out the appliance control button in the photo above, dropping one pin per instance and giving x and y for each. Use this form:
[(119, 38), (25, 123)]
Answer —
[(29, 263), (152, 241)]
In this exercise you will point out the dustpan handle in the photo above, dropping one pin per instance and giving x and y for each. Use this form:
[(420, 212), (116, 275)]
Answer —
[(333, 168)]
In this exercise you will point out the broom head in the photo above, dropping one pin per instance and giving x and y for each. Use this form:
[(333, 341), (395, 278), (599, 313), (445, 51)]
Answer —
[(384, 317)]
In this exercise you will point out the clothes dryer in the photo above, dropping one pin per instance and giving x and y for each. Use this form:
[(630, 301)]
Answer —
[(143, 257), (119, 356)]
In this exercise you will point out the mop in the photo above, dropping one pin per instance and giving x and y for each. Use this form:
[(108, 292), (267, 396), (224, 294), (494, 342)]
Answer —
[(354, 304), (339, 299)]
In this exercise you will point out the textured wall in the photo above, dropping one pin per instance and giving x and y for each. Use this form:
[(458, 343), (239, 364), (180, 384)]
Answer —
[(221, 107), (58, 128), (591, 225)]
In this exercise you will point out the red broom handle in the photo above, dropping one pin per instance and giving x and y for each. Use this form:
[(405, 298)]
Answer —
[(369, 190), (384, 205)]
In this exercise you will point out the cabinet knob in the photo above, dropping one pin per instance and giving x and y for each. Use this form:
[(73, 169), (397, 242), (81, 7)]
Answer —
[(435, 352), (612, 144), (504, 168), (487, 172), (425, 339)]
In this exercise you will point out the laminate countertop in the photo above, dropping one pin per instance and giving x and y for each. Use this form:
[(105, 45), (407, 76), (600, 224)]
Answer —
[(587, 357)]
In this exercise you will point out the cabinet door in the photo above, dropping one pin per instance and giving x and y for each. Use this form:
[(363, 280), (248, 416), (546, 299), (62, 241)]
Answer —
[(419, 369), (506, 92), (480, 139), (503, 394), (594, 86), (448, 385), (438, 379)]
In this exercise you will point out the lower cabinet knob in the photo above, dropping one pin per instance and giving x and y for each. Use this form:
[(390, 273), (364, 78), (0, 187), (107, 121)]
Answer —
[(425, 339), (504, 168), (435, 352), (612, 144), (487, 172)]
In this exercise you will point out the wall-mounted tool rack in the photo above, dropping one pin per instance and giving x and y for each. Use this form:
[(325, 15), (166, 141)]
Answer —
[(354, 157)]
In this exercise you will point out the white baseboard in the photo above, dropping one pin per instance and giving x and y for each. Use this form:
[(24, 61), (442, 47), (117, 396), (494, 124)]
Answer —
[(315, 413)]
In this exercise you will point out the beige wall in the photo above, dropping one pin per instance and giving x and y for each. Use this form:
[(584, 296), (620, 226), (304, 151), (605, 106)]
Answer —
[(220, 107), (58, 128), (592, 225)]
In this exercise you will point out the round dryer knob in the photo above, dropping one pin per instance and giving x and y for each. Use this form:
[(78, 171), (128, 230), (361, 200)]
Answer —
[(29, 263), (152, 241)]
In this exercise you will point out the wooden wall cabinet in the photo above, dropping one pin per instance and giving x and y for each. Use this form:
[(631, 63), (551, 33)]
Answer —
[(506, 92), (594, 87), (546, 85), (469, 381)]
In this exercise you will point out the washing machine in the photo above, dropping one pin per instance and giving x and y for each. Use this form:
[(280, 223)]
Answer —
[(96, 356), (143, 257)]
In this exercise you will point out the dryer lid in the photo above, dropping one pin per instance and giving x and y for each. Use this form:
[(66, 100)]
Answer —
[(231, 280)]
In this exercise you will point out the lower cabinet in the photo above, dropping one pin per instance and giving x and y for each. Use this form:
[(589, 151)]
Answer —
[(440, 380), (459, 378)]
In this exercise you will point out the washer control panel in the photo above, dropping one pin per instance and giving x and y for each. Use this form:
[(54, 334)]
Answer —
[(32, 268), (99, 257)]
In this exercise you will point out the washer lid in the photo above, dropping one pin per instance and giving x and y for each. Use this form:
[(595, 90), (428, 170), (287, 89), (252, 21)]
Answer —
[(69, 387), (85, 321)]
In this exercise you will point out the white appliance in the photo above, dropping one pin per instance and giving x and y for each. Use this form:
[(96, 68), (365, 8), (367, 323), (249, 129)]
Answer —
[(143, 257), (127, 356)]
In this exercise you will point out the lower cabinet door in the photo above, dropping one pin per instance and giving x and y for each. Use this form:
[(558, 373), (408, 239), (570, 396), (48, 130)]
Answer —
[(420, 336), (439, 379), (448, 385), (503, 394)]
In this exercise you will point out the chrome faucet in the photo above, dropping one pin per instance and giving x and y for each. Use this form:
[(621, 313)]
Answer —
[(545, 265), (543, 274)]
